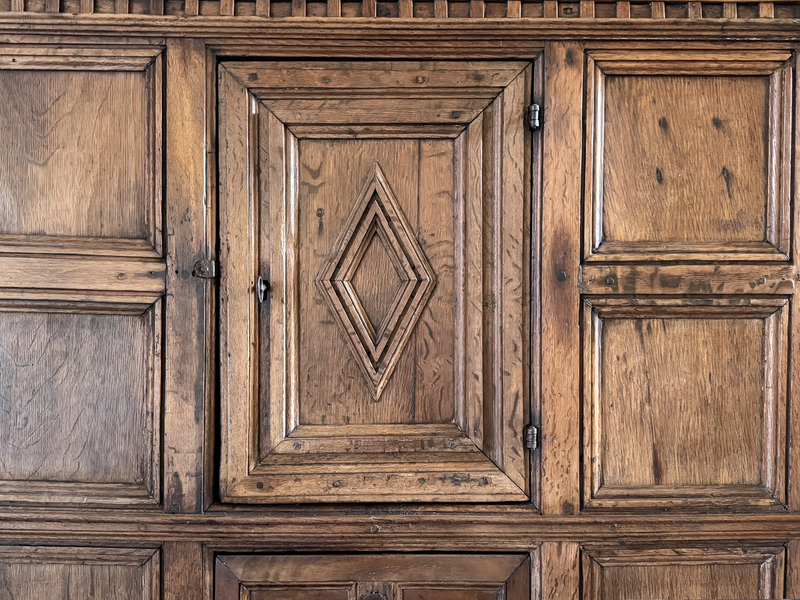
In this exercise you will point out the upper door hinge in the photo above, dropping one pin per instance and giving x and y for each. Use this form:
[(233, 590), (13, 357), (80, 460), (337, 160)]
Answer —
[(205, 268), (531, 437), (533, 117)]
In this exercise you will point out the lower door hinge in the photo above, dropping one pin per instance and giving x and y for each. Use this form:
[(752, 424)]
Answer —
[(531, 437), (533, 117), (205, 268)]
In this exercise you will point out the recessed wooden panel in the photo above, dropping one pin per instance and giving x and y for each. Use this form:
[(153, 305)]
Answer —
[(43, 573), (688, 158), (80, 154), (700, 573), (81, 395), (685, 403), (374, 577), (391, 338)]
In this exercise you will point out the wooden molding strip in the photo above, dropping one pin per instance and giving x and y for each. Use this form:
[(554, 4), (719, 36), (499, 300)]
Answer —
[(441, 9), (511, 528)]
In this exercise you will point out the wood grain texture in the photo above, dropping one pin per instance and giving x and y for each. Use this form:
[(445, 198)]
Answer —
[(717, 278), (665, 157), (794, 377), (792, 576), (436, 577), (660, 375), (560, 571), (30, 573), (488, 528), (83, 394), (560, 262), (79, 146), (673, 573), (183, 571), (188, 298), (736, 195), (82, 273)]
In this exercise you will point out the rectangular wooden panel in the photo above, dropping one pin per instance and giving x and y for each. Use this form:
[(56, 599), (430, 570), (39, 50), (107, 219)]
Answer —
[(685, 403), (81, 393), (45, 573), (391, 337), (374, 577), (80, 152), (688, 158), (677, 573)]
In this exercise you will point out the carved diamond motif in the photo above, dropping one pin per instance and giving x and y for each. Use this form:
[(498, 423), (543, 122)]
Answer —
[(375, 249)]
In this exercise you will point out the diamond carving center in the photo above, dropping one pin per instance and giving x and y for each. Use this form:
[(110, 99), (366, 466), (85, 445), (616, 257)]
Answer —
[(376, 281)]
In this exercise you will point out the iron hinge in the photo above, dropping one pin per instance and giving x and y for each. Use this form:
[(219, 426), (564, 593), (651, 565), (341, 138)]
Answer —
[(205, 268), (531, 437), (533, 117)]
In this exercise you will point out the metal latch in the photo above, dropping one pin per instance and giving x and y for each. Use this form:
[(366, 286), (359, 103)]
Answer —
[(533, 117), (531, 437), (205, 268), (262, 286)]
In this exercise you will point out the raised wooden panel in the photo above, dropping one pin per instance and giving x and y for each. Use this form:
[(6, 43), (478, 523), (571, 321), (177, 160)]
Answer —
[(374, 577), (45, 573), (80, 390), (688, 156), (387, 361), (683, 573), (80, 151), (685, 403)]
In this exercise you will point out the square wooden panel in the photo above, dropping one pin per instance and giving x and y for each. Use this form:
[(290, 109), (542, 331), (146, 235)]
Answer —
[(80, 391), (50, 573), (688, 155), (374, 577), (677, 573), (685, 403), (387, 204), (80, 150)]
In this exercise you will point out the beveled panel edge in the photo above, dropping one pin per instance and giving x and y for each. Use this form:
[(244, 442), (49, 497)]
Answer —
[(83, 555), (772, 494), (146, 494), (86, 58), (125, 58), (777, 64)]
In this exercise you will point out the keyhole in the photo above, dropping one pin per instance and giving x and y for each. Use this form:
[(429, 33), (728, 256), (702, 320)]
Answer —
[(373, 596), (320, 214)]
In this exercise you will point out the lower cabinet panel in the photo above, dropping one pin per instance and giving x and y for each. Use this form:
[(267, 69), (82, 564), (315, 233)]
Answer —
[(374, 577), (699, 573), (45, 573)]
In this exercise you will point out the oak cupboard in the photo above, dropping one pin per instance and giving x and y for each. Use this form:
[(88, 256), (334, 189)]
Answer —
[(398, 300)]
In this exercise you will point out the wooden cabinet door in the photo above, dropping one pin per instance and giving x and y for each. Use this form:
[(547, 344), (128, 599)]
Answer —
[(686, 280), (678, 573), (374, 225), (82, 276), (374, 577)]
